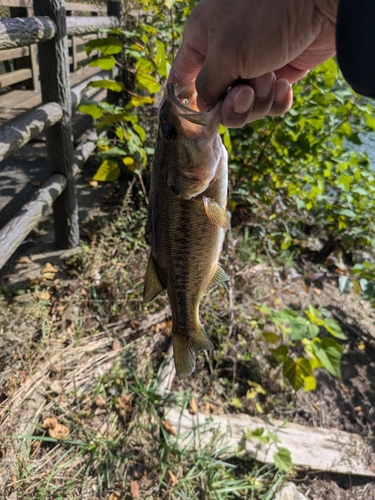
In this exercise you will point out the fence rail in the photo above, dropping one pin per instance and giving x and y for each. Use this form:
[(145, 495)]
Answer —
[(49, 28)]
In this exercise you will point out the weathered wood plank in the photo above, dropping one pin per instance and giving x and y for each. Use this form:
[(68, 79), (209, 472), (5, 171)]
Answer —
[(16, 3), (55, 85), (22, 31), (5, 55), (27, 127), (16, 76), (81, 7), (13, 234), (312, 448), (82, 25), (79, 40)]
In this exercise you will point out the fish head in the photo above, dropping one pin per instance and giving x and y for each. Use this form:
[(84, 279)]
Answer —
[(191, 148)]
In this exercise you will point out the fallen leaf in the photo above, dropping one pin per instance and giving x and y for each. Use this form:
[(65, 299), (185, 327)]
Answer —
[(48, 276), (100, 401), (170, 478), (169, 428), (114, 496), (134, 489), (25, 260), (48, 268), (193, 407), (55, 430), (43, 295), (116, 345), (55, 369), (123, 401)]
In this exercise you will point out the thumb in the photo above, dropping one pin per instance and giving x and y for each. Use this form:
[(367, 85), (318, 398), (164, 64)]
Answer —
[(186, 65)]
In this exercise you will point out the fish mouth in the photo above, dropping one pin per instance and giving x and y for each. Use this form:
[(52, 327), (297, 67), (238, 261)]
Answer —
[(184, 96)]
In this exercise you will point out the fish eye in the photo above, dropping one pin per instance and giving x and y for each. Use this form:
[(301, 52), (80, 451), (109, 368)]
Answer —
[(168, 132)]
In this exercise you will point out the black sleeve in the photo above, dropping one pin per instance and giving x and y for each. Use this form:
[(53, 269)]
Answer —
[(355, 44)]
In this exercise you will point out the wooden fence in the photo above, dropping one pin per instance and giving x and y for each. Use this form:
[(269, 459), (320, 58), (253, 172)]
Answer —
[(48, 26)]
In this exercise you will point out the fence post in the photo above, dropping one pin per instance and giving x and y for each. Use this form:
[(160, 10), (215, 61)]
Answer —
[(117, 9), (55, 85)]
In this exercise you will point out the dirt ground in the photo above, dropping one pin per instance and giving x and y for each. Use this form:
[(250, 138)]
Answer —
[(68, 326)]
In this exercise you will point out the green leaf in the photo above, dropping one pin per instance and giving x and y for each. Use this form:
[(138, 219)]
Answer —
[(114, 151), (334, 328), (314, 315), (108, 171), (309, 383), (280, 353), (148, 82), (107, 46), (257, 434), (300, 328), (107, 84), (138, 100), (283, 459), (237, 403), (105, 62), (169, 3), (329, 352), (271, 337), (92, 110), (296, 371), (344, 284)]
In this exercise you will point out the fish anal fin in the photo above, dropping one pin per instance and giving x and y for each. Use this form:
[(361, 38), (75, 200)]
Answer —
[(216, 213), (185, 350), (152, 286), (218, 277)]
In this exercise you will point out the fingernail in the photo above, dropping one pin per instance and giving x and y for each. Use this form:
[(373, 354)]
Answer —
[(282, 88), (243, 100), (263, 85)]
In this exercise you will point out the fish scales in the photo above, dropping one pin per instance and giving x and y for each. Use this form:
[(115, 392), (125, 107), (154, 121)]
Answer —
[(186, 238)]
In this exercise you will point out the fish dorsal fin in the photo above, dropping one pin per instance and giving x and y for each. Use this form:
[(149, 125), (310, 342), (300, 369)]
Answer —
[(219, 276), (216, 213), (152, 286)]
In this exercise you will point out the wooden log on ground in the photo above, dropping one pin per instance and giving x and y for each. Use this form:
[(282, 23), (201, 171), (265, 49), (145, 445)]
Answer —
[(83, 25), (55, 85), (26, 127), (22, 31), (14, 233), (311, 448)]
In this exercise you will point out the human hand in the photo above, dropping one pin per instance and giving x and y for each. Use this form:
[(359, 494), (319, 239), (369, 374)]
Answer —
[(268, 45)]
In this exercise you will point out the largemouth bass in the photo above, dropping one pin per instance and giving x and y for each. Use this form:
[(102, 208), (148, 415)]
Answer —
[(187, 217)]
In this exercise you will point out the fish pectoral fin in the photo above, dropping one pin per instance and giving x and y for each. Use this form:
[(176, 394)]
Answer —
[(216, 213), (152, 286), (219, 276), (186, 348)]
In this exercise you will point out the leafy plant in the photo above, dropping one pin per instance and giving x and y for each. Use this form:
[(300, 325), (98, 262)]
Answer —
[(282, 457), (301, 346)]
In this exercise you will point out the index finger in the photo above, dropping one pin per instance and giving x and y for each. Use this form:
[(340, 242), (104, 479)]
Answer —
[(187, 65)]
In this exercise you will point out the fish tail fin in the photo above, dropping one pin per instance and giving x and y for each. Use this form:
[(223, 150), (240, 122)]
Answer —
[(185, 350)]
